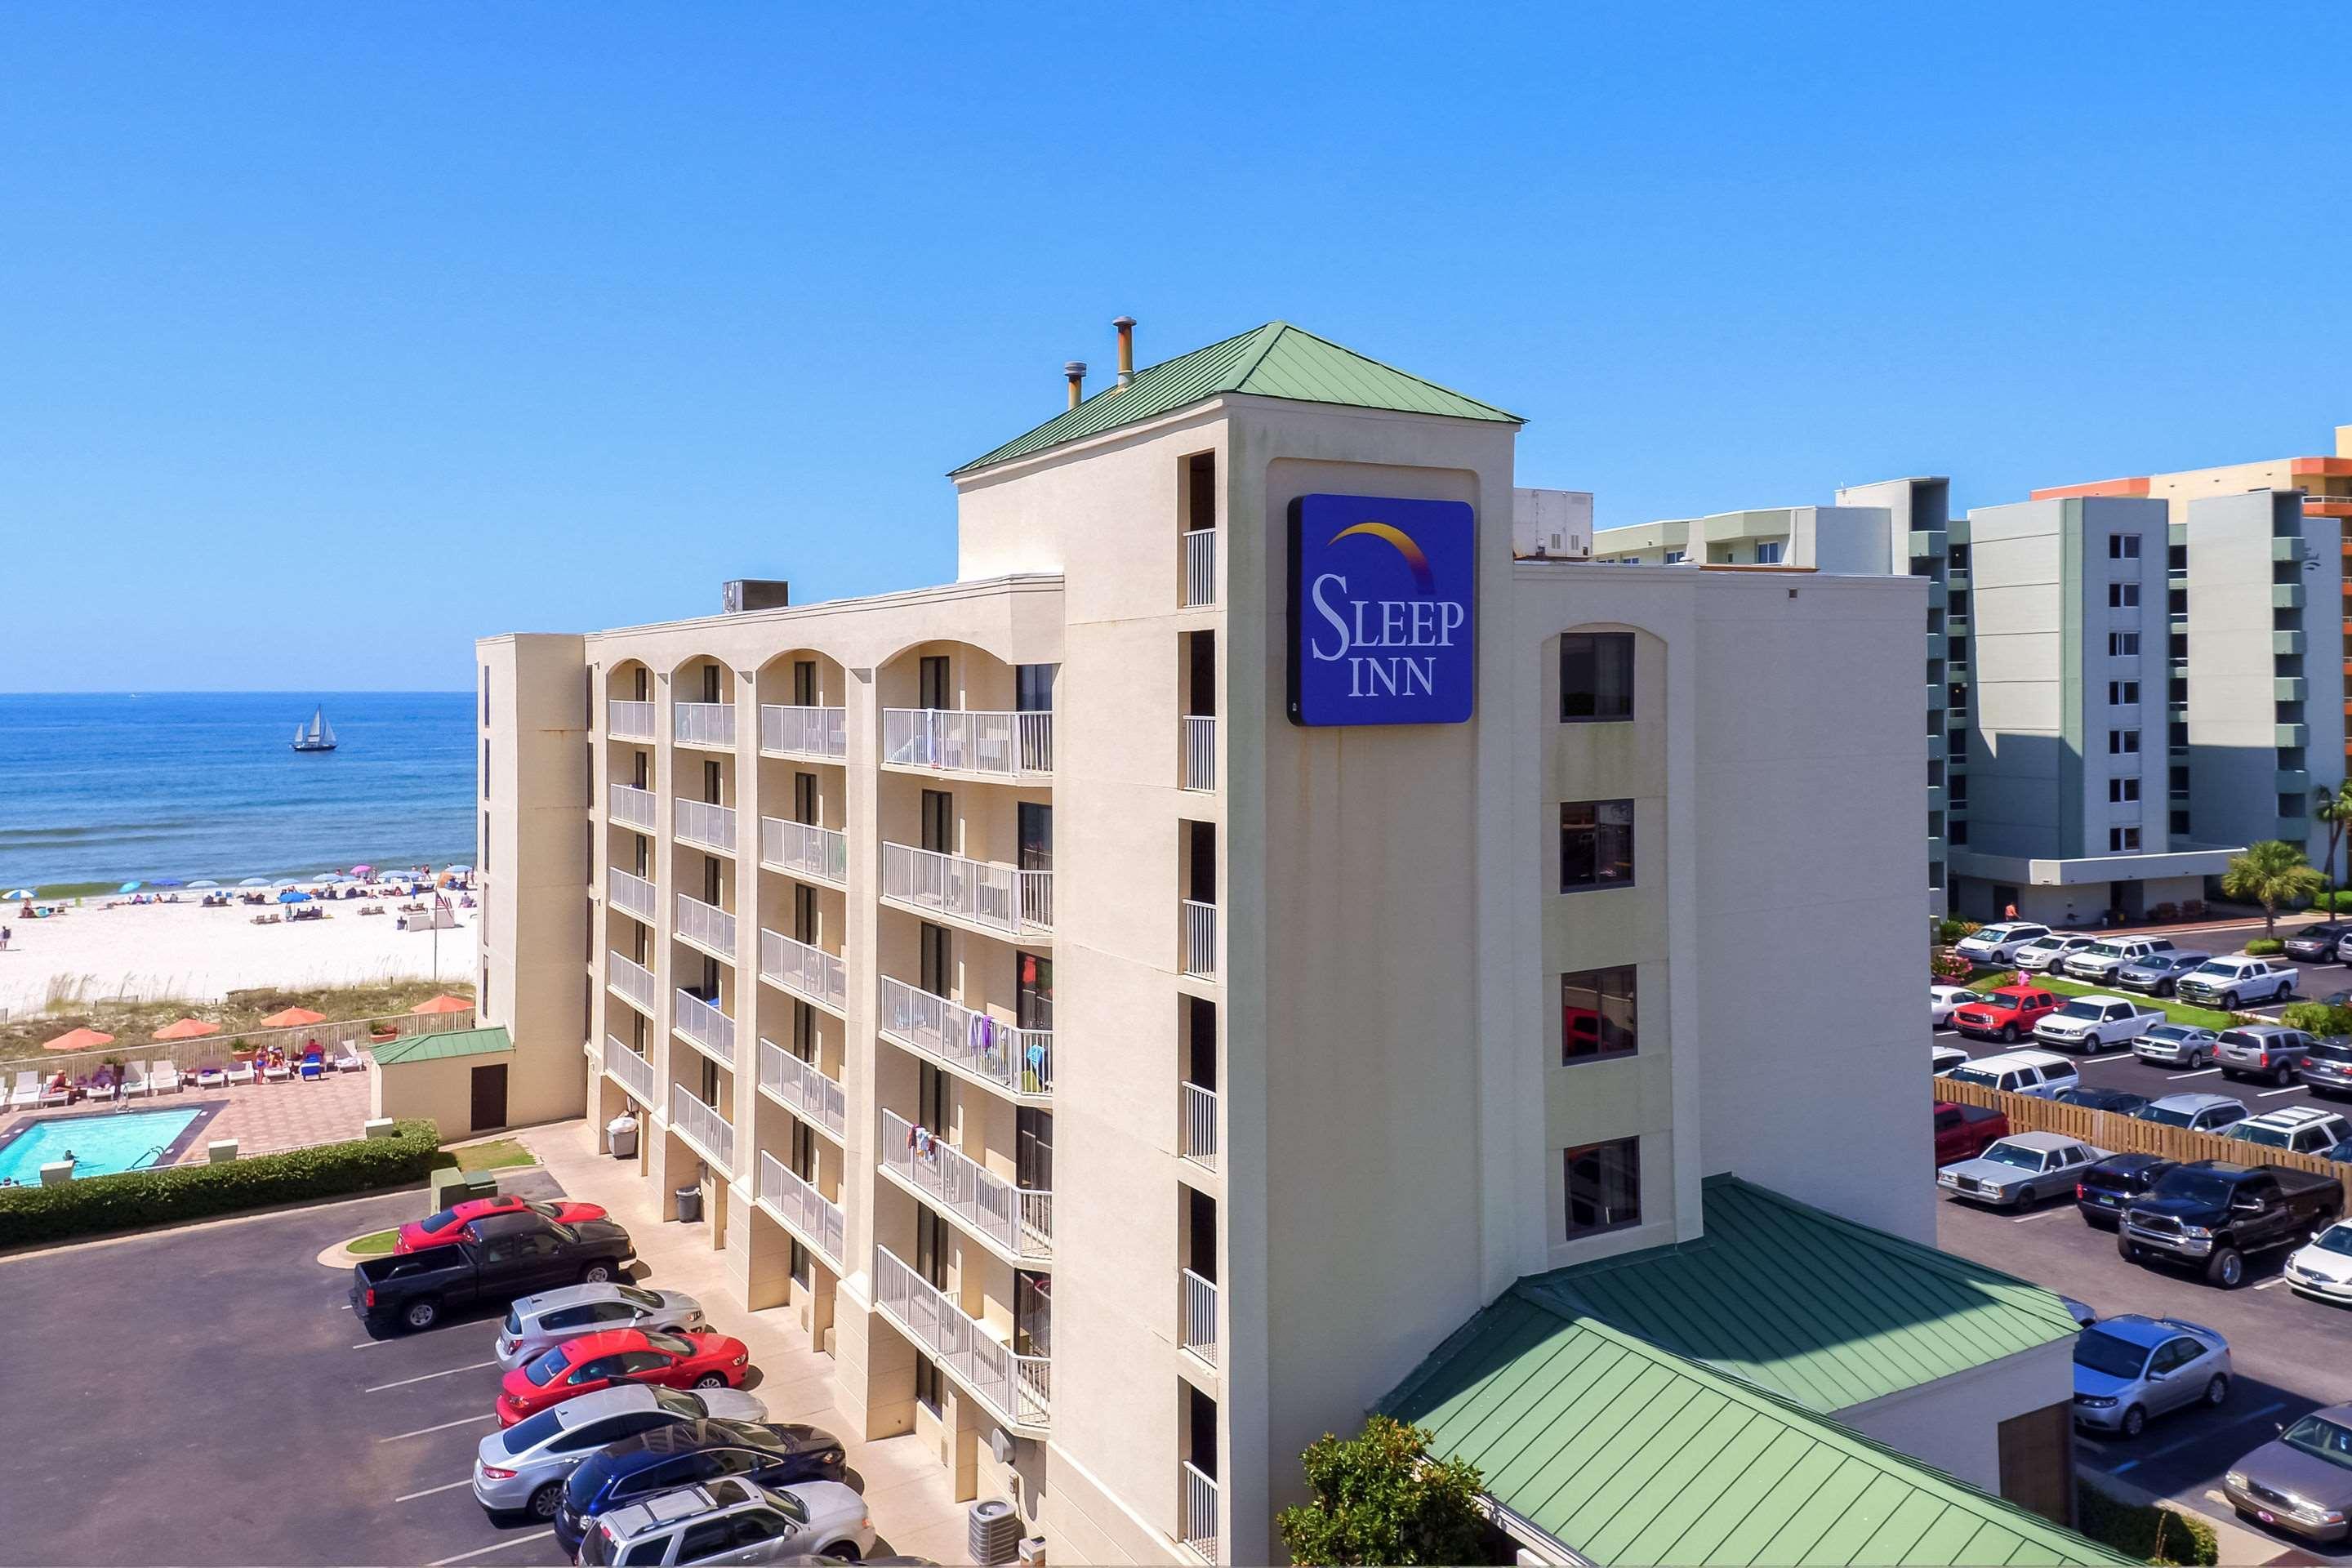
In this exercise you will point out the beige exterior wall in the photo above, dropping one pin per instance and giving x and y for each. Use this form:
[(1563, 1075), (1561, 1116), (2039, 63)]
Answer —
[(442, 1093)]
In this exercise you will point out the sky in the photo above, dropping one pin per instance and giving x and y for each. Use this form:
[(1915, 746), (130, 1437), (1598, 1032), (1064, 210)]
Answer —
[(336, 337)]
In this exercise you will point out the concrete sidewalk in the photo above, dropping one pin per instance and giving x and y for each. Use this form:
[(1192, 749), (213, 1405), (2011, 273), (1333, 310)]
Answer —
[(908, 1491)]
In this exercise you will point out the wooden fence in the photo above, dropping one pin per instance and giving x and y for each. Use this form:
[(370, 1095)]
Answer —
[(2126, 1135)]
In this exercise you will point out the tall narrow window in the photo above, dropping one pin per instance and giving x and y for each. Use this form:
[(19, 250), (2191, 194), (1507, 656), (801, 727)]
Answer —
[(1596, 844), (1596, 676), (804, 682), (804, 802), (1597, 1015), (936, 955), (1032, 687), (1603, 1186), (931, 681), (1769, 552), (938, 821)]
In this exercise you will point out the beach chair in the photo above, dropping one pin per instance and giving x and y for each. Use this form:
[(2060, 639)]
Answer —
[(313, 1067), (134, 1081), (60, 1096), (241, 1070), (276, 1071), (348, 1058), (27, 1091), (211, 1075), (161, 1076)]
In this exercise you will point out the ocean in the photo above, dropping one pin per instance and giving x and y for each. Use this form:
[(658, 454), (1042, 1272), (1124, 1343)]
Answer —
[(113, 787)]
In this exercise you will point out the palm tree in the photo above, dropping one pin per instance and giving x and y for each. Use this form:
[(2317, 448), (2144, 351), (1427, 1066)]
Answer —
[(2333, 807), (2271, 873)]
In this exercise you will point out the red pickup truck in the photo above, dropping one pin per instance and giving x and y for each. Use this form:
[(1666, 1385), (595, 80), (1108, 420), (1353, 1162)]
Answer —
[(2005, 1014), (1964, 1132)]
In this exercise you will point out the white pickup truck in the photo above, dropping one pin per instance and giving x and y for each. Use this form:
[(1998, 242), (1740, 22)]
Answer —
[(2094, 1024)]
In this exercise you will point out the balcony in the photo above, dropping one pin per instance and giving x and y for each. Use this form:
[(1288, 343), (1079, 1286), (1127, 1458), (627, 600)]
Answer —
[(953, 741), (630, 1071), (821, 1100), (1937, 697), (1200, 743), (818, 853), (804, 969), (631, 894), (710, 725), (710, 1134), (1196, 1510), (1200, 939), (2286, 596), (2295, 781), (707, 926), (1197, 1133), (1018, 1388), (1197, 1315), (2288, 689), (2291, 734), (2285, 643), (626, 721), (821, 733), (1018, 1061), (712, 1031), (1200, 568), (633, 807), (1016, 1221), (633, 980), (802, 1209), (711, 826), (998, 899)]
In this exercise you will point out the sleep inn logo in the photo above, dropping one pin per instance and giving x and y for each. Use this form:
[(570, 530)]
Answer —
[(1383, 611)]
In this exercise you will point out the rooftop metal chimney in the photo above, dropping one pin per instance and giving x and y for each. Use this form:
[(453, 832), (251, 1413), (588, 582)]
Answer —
[(1125, 325), (1076, 371)]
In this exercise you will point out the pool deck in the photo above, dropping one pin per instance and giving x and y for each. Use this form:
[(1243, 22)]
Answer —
[(262, 1117)]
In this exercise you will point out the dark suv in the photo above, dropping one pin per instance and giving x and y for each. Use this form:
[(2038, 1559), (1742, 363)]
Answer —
[(689, 1455)]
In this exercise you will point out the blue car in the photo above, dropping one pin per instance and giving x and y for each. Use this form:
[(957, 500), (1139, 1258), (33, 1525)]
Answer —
[(687, 1455)]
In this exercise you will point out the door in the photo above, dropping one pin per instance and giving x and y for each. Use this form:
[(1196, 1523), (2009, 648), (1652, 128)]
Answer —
[(939, 822), (931, 682), (490, 1107)]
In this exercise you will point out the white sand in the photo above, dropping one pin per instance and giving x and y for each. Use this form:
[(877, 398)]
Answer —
[(179, 950)]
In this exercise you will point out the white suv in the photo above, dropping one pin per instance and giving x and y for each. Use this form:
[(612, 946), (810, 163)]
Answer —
[(2050, 951), (2102, 959), (2039, 1074), (2297, 1129), (1998, 944)]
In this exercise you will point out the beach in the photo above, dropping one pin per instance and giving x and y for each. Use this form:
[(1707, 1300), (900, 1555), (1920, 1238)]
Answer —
[(183, 950)]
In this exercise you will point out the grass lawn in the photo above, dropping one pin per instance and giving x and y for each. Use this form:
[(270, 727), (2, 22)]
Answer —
[(496, 1154), (376, 1245), (2178, 1012)]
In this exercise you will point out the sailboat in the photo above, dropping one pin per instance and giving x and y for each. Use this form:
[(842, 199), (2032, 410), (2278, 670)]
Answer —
[(318, 735)]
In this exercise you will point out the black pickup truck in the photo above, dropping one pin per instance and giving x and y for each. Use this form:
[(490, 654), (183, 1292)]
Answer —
[(2210, 1214), (494, 1258)]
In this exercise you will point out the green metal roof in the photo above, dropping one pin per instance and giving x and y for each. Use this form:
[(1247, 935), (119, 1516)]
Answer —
[(1276, 359), (1625, 1452), (1818, 1309), (436, 1048)]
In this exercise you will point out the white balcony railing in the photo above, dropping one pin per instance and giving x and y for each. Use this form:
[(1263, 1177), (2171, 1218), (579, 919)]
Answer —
[(627, 720), (1200, 939), (712, 827), (1007, 745), (981, 892), (802, 968), (803, 1207), (1200, 567), (1019, 1388), (1019, 1220), (800, 1085), (701, 1125), (1199, 1142), (1200, 740), (703, 724), (1196, 1522), (707, 926), (804, 850), (630, 1071), (1018, 1061), (1197, 1316), (705, 1024), (631, 894), (634, 807), (804, 731), (631, 979)]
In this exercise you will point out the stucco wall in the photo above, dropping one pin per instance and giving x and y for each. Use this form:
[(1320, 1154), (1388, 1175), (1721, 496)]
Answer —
[(1954, 1422)]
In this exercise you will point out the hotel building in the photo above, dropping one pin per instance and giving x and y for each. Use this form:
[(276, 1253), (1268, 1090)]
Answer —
[(1124, 1084)]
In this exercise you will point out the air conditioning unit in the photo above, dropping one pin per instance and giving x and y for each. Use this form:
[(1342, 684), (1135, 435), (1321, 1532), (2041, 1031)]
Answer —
[(1552, 525)]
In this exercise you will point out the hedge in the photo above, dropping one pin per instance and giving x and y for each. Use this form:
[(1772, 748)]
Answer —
[(2263, 946), (175, 1193), (2144, 1532)]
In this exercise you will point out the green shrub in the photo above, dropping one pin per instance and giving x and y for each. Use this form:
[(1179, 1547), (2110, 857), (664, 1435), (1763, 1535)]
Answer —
[(2263, 946), (1949, 931), (176, 1192), (2144, 1532), (2318, 1018)]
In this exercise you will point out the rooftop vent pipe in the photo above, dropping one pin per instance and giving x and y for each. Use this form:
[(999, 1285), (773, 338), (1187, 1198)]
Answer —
[(1125, 325), (1076, 371)]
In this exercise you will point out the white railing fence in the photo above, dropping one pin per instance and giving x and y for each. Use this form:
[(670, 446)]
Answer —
[(802, 968), (1197, 1318), (222, 1050), (1008, 745), (1200, 567), (703, 724), (997, 897), (800, 1085), (632, 1071), (802, 1206), (1019, 1386), (1018, 1219), (1197, 1512), (1200, 750), (631, 979), (628, 721), (804, 849), (1021, 1060), (634, 807), (804, 731), (712, 827), (702, 1125), (1200, 939), (707, 924), (631, 893), (1199, 1142), (705, 1024)]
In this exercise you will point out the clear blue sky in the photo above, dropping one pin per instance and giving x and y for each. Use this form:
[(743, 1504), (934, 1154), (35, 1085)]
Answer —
[(426, 321)]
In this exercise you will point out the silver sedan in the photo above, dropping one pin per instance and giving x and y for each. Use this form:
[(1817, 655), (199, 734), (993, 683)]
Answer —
[(2129, 1368), (536, 1323), (522, 1469)]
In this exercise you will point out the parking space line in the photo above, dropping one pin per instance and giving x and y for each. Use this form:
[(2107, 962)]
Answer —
[(2126, 1465), (2201, 1072), (2030, 1218), (2268, 1283), (486, 1550), (427, 1377), (2274, 1093), (421, 1431), (429, 1491)]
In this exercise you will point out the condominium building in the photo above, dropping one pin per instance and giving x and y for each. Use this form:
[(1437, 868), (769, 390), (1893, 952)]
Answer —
[(1131, 1005)]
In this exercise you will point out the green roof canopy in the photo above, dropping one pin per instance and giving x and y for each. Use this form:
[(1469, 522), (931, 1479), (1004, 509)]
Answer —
[(436, 1048), (1276, 359)]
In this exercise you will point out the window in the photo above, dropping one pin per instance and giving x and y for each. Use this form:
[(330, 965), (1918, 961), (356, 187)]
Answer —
[(1032, 687), (1674, 557), (1596, 676), (2122, 790), (2123, 547), (927, 1392), (1596, 844), (2123, 596), (2120, 692), (2123, 742), (2120, 839), (1604, 1186), (2122, 644), (1597, 1015), (1768, 553)]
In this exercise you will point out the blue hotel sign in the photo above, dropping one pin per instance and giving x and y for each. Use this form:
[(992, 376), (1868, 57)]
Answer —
[(1383, 611)]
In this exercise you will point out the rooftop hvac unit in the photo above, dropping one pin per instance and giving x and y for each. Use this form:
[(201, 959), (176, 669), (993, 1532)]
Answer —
[(1551, 524)]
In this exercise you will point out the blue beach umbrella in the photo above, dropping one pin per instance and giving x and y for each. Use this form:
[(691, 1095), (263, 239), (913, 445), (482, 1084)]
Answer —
[(203, 882), (288, 882), (255, 882), (166, 882), (293, 896), (22, 893), (457, 868), (132, 887)]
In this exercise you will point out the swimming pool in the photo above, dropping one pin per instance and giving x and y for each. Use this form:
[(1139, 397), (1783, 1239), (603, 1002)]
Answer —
[(100, 1144)]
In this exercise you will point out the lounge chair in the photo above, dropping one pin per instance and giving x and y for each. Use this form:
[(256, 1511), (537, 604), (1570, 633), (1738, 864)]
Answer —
[(161, 1076), (276, 1071), (314, 1067), (27, 1091), (211, 1075), (348, 1058), (133, 1080), (58, 1096), (241, 1071)]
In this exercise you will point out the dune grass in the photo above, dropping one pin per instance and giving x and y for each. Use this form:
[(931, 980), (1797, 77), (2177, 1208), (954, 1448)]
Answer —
[(72, 1002)]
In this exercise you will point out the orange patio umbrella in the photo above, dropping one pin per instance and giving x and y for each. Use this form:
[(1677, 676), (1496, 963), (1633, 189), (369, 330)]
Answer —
[(186, 1029), (78, 1040), (443, 1004), (293, 1019)]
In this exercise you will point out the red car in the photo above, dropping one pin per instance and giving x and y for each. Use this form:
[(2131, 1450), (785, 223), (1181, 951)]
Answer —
[(617, 1356), (2005, 1014), (436, 1230), (1964, 1132)]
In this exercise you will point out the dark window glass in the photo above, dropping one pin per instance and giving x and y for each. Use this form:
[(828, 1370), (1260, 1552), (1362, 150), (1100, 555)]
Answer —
[(1604, 1186), (926, 1384), (1596, 676), (1597, 1014), (1596, 844)]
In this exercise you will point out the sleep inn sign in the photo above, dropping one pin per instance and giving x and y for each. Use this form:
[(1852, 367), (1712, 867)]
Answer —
[(1383, 611)]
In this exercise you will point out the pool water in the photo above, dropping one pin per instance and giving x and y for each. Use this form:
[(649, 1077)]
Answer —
[(101, 1145)]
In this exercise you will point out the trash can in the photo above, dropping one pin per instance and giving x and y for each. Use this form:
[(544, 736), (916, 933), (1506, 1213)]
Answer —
[(622, 1133), (689, 1205)]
